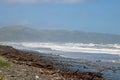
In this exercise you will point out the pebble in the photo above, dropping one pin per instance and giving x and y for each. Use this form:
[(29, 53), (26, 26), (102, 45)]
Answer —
[(37, 77)]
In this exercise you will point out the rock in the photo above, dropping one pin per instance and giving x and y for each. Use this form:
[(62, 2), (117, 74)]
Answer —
[(34, 61), (37, 77)]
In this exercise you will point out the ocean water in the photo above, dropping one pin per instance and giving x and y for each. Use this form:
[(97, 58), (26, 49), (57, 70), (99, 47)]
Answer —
[(103, 55), (94, 52)]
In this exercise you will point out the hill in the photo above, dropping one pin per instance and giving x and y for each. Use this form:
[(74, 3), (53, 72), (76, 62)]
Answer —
[(22, 33)]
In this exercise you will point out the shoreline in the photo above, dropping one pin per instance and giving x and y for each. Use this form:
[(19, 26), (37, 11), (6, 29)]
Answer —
[(38, 61)]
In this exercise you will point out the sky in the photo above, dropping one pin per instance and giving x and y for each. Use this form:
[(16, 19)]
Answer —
[(85, 15)]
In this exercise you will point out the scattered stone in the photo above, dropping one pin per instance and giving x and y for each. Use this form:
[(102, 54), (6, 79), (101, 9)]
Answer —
[(29, 65)]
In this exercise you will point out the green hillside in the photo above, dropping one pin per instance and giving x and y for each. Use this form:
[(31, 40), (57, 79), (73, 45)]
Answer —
[(22, 33)]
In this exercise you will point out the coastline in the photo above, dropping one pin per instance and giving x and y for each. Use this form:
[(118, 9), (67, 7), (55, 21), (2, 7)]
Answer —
[(45, 65)]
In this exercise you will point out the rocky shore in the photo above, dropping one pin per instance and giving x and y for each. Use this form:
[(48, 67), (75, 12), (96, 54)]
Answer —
[(26, 65)]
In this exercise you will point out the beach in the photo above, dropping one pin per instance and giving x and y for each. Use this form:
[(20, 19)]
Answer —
[(66, 57), (48, 66)]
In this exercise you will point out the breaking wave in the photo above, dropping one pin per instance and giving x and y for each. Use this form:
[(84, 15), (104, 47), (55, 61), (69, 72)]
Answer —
[(68, 47)]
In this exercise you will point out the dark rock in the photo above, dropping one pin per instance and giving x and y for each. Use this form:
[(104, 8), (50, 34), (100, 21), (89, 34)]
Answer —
[(32, 59)]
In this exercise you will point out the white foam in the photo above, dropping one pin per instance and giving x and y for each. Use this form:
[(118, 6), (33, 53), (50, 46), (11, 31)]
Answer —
[(71, 47)]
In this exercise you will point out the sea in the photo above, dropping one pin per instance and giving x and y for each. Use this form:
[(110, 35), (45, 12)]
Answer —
[(106, 56)]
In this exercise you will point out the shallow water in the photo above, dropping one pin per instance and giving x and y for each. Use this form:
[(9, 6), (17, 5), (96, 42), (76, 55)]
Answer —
[(110, 70)]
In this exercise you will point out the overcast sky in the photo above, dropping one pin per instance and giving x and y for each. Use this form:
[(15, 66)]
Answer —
[(84, 15)]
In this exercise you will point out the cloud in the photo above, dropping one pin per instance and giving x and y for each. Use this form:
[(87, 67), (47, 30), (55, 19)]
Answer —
[(41, 1)]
